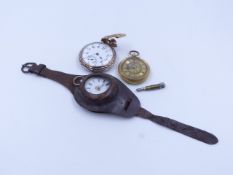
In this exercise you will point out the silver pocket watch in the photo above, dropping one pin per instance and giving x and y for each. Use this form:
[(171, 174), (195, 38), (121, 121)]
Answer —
[(100, 56)]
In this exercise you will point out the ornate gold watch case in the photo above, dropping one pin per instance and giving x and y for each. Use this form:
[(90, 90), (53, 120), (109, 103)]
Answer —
[(133, 69)]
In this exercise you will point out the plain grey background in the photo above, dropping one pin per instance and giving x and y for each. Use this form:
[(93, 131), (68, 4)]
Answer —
[(189, 46)]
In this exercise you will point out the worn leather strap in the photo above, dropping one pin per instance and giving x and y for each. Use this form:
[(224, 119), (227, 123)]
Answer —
[(41, 70), (69, 81), (187, 130)]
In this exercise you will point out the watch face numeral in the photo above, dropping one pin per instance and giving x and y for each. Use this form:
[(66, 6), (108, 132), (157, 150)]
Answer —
[(97, 85), (97, 55)]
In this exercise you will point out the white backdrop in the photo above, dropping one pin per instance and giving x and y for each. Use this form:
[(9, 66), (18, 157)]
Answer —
[(189, 46)]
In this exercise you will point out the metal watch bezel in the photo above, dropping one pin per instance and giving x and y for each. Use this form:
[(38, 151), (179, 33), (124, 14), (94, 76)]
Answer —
[(97, 69)]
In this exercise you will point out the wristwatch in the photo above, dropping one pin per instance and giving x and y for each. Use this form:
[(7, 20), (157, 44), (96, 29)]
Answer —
[(103, 93)]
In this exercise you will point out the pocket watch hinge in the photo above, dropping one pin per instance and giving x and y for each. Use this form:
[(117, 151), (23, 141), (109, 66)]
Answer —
[(111, 39)]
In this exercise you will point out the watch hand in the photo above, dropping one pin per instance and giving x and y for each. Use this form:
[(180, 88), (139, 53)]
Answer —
[(102, 85), (97, 54)]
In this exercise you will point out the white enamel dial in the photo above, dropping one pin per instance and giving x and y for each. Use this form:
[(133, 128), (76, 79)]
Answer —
[(97, 54), (97, 85)]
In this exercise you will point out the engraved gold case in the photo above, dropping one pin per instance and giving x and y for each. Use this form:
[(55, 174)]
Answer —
[(133, 69)]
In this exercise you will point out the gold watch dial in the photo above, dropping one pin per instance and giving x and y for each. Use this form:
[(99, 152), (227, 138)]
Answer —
[(133, 69)]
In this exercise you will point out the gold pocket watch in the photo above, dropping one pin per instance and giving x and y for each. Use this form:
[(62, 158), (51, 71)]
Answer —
[(100, 56), (133, 69)]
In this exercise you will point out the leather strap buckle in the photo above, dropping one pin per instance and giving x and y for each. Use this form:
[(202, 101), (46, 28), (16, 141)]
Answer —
[(32, 68)]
